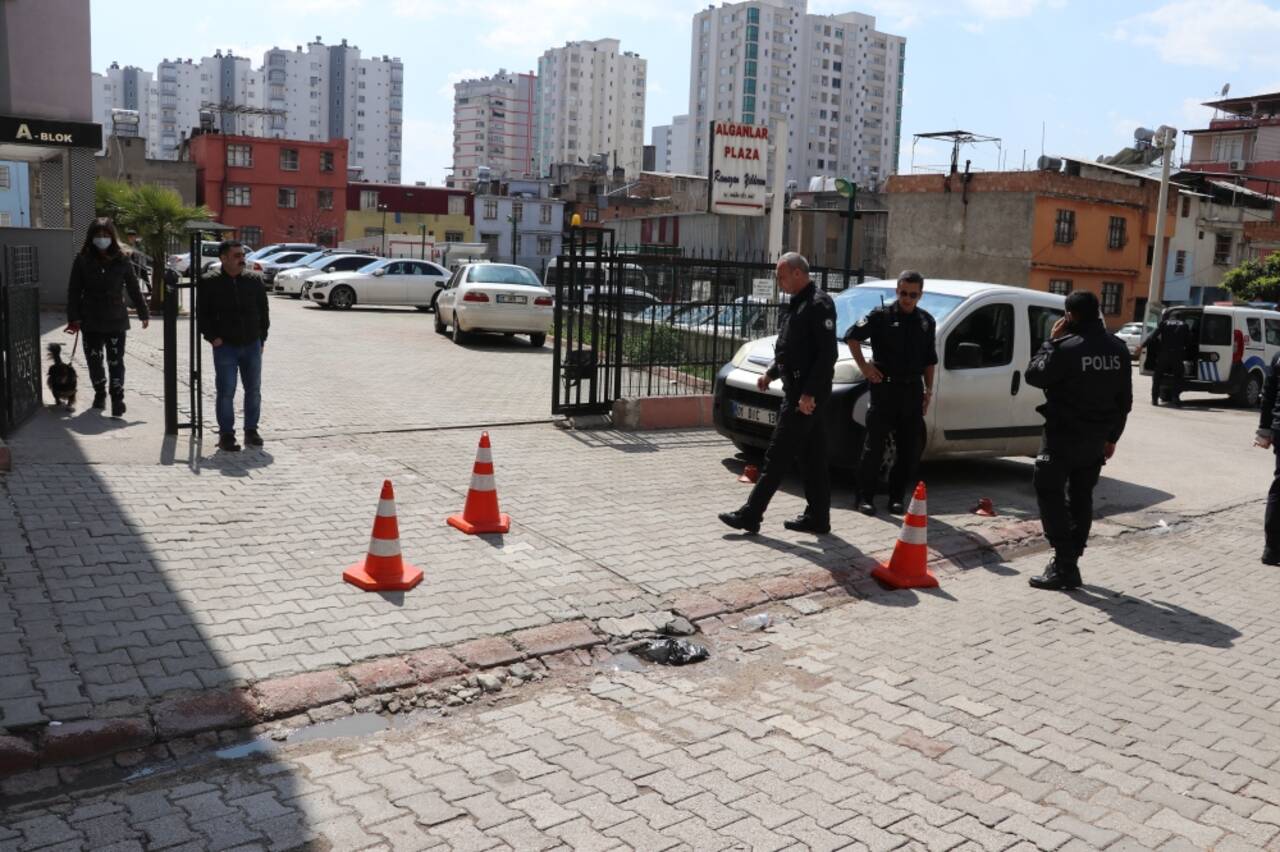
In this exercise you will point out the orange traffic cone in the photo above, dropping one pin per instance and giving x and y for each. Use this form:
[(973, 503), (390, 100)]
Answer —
[(480, 514), (383, 570), (907, 568), (985, 508), (750, 474)]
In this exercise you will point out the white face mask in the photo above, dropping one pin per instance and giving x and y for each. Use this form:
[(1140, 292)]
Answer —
[(102, 243)]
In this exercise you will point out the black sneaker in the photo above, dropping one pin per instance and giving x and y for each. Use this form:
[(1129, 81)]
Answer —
[(896, 507), (252, 438), (117, 405), (739, 520), (804, 523), (867, 508), (227, 443), (1270, 557)]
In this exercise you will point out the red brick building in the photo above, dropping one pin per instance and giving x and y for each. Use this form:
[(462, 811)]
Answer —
[(273, 190)]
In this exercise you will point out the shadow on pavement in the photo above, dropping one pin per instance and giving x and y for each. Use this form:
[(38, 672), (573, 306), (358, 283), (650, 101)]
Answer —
[(1157, 619)]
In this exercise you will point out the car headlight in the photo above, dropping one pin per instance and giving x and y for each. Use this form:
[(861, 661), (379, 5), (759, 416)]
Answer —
[(846, 373), (740, 356)]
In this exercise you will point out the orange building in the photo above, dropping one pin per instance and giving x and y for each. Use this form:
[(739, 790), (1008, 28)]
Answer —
[(1083, 226)]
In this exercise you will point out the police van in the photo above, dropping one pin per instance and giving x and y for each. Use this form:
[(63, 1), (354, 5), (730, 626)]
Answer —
[(981, 406), (1231, 349)]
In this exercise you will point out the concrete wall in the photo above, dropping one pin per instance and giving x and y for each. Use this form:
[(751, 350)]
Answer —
[(936, 233), (126, 160), (45, 68), (57, 248)]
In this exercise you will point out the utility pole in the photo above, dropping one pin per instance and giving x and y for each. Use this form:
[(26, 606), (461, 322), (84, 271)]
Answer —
[(1165, 138), (515, 238), (383, 208), (849, 190)]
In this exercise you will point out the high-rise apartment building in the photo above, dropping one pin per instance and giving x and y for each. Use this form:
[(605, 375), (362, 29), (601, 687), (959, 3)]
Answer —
[(126, 89), (591, 102), (671, 147), (494, 128), (315, 94), (836, 80)]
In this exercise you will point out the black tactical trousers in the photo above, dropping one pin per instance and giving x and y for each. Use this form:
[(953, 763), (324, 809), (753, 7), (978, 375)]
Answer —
[(95, 343), (798, 438), (1065, 475), (897, 408), (1272, 523), (1169, 375)]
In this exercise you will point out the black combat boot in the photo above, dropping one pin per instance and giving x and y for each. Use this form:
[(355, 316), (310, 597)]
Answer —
[(117, 403), (99, 396), (741, 520), (1059, 575)]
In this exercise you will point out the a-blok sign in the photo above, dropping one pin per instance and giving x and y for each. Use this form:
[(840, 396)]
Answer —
[(739, 167)]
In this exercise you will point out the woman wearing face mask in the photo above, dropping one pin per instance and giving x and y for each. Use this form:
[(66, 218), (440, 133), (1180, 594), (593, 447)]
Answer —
[(101, 276)]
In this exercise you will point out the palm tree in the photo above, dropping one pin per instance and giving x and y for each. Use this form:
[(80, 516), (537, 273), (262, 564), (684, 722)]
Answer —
[(109, 197), (159, 217)]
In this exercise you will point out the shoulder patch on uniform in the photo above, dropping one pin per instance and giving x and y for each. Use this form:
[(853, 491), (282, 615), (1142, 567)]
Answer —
[(829, 323)]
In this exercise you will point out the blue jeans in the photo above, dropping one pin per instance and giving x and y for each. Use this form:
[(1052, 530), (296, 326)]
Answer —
[(228, 361)]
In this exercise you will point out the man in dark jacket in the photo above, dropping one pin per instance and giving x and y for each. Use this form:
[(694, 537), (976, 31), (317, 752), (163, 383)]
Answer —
[(1168, 345), (804, 358), (1088, 386), (1268, 431), (234, 318)]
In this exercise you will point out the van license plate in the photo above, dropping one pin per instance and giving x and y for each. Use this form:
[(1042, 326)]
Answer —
[(753, 414), (513, 300)]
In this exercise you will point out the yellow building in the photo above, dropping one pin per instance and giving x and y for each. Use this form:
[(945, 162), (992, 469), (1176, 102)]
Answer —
[(409, 215)]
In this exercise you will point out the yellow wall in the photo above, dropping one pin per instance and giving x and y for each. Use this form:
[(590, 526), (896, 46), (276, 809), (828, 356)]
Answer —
[(359, 220)]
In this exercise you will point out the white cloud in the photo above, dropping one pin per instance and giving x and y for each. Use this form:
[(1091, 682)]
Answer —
[(427, 9), (428, 150), (1224, 34), (900, 15)]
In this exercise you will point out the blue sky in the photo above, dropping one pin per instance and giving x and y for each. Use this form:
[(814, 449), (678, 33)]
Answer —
[(1089, 72)]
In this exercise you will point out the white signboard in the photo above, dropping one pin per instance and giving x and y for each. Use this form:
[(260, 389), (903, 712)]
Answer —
[(762, 288), (701, 291), (739, 168)]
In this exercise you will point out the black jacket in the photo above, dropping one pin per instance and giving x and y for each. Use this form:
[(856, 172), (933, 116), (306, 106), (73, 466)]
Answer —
[(234, 309), (1270, 422), (902, 345), (1088, 384), (97, 291), (805, 353), (1169, 343)]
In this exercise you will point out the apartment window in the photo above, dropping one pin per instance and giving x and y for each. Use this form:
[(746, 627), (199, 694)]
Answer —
[(1115, 233), (289, 159), (5, 179), (453, 236), (753, 33), (326, 161), (1064, 231), (753, 16), (324, 199), (240, 155), (251, 235), (373, 232), (517, 211), (544, 246), (368, 199), (752, 51), (544, 215), (239, 196), (6, 219), (749, 68), (1186, 206), (593, 214), (286, 197), (1111, 291), (1180, 263), (1060, 286), (491, 209), (457, 205), (1222, 249)]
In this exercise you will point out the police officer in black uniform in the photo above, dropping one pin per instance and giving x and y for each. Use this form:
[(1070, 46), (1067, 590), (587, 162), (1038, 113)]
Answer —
[(1269, 438), (1088, 386), (1168, 346), (903, 356), (804, 358)]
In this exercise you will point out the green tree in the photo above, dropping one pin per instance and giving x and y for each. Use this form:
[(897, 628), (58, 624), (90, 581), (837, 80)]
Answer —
[(1255, 280), (109, 198), (159, 217)]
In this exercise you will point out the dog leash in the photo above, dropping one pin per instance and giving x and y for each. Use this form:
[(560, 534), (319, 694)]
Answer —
[(74, 343)]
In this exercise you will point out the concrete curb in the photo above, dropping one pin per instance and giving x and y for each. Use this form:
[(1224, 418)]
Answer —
[(180, 717), (663, 412)]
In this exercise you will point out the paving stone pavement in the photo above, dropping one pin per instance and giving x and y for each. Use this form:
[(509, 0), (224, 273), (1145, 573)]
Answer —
[(133, 568), (1138, 713)]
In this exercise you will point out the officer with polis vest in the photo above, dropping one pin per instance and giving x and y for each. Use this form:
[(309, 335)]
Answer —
[(1087, 380)]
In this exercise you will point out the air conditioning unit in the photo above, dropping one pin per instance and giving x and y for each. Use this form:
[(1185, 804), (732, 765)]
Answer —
[(1236, 165)]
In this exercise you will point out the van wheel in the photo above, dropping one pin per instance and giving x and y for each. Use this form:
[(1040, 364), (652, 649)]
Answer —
[(1250, 396)]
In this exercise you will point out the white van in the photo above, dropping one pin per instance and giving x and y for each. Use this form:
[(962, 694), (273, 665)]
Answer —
[(1232, 349), (981, 407)]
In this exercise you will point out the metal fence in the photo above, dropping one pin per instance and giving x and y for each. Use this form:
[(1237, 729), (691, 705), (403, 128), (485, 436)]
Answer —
[(20, 394), (658, 324)]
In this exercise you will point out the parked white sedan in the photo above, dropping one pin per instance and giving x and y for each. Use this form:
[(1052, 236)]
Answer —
[(388, 281), (495, 297)]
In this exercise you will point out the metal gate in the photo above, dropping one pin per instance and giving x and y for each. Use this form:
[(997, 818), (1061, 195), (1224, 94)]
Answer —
[(587, 356), (20, 394)]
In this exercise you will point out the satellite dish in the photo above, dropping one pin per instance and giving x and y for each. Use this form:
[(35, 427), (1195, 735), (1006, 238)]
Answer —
[(1226, 87)]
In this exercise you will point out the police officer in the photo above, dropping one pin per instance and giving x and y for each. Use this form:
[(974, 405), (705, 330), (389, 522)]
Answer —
[(1088, 385), (804, 358), (1168, 345), (903, 355), (1268, 433)]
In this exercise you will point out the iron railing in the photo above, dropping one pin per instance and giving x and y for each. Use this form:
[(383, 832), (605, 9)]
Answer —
[(20, 394)]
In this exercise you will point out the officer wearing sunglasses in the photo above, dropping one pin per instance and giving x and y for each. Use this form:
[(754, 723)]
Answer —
[(901, 376)]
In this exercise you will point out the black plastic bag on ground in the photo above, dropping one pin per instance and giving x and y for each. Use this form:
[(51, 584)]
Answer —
[(672, 652)]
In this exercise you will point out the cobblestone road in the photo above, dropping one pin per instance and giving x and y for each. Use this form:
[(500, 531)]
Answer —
[(1138, 713)]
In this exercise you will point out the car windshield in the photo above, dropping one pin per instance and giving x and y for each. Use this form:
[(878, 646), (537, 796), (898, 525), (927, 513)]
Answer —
[(368, 268), (307, 259), (856, 302), (322, 261), (494, 274)]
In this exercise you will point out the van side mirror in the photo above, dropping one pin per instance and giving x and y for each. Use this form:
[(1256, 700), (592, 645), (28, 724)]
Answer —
[(966, 356)]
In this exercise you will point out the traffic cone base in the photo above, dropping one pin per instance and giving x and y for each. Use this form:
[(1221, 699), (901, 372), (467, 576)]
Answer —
[(358, 575), (908, 567), (384, 569), (750, 474), (501, 525), (480, 515)]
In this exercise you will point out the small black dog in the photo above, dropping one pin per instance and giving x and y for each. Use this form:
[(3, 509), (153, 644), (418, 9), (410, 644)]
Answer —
[(61, 378)]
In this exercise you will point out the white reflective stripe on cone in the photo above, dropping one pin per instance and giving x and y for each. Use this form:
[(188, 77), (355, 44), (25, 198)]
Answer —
[(485, 455), (384, 547), (914, 535), (483, 482), (918, 507), (386, 508)]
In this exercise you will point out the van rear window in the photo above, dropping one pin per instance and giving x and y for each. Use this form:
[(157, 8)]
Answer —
[(1215, 330)]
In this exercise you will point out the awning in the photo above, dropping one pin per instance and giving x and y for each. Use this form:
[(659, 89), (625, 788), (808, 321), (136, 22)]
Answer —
[(33, 140), (205, 225)]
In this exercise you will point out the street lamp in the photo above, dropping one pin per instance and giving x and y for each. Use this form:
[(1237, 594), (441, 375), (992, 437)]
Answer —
[(848, 189), (515, 238), (1165, 139), (422, 226), (384, 208)]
